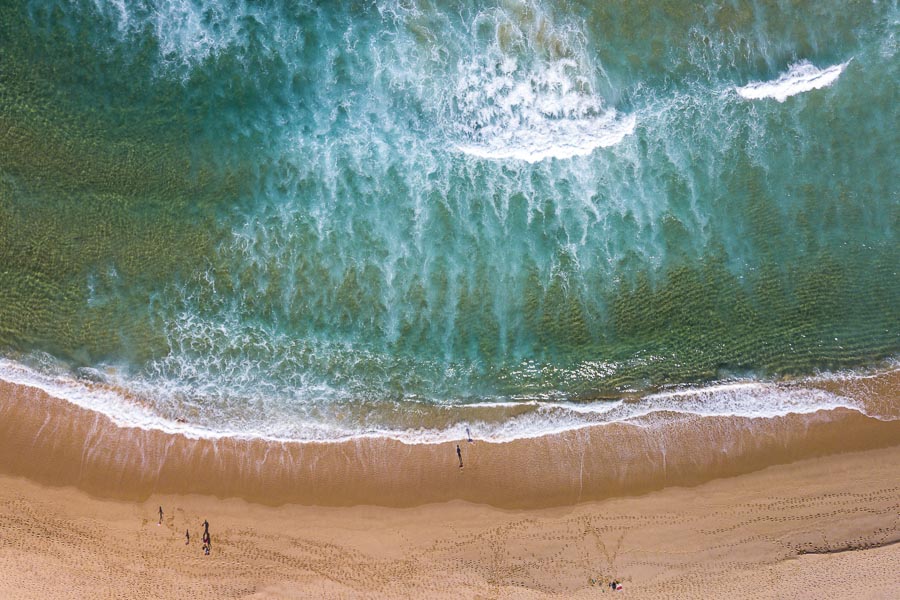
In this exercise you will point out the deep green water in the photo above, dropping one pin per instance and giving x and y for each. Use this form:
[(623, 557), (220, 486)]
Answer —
[(273, 214)]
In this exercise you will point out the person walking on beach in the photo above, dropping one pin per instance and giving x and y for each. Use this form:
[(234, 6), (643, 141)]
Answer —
[(469, 435), (459, 455), (160, 516), (187, 537)]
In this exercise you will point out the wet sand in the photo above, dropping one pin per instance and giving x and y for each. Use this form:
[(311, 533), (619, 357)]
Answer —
[(794, 506), (57, 443)]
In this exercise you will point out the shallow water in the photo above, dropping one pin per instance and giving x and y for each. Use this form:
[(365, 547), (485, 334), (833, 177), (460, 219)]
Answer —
[(306, 221)]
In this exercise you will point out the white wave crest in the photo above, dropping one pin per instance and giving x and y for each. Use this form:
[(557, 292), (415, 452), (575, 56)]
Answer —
[(533, 114), (800, 77), (549, 138)]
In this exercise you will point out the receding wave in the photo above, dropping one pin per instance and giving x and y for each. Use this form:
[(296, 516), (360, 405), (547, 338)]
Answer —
[(800, 77), (494, 421)]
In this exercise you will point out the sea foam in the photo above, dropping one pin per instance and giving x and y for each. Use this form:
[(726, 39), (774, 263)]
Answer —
[(493, 421), (553, 139), (531, 114), (800, 77)]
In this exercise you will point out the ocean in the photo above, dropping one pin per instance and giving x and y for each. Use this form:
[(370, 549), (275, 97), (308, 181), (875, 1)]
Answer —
[(318, 221)]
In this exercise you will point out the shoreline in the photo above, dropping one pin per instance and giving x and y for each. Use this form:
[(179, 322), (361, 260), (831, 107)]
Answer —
[(54, 442), (495, 421), (801, 506)]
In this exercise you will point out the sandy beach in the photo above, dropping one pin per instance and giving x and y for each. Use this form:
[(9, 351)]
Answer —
[(488, 299), (795, 506)]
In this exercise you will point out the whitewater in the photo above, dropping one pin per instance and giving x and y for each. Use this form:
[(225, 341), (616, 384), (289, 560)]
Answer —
[(535, 418), (800, 77), (300, 222)]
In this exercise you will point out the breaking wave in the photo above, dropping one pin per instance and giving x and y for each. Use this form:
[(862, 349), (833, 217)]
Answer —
[(534, 115), (800, 77)]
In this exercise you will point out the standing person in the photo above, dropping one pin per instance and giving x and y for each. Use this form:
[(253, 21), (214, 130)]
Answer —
[(160, 516), (459, 455), (187, 537), (469, 435)]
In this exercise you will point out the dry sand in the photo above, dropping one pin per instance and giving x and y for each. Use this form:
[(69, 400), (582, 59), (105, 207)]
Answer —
[(822, 528), (799, 506)]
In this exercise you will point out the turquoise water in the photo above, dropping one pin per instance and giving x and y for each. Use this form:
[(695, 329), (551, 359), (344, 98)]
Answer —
[(291, 217)]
